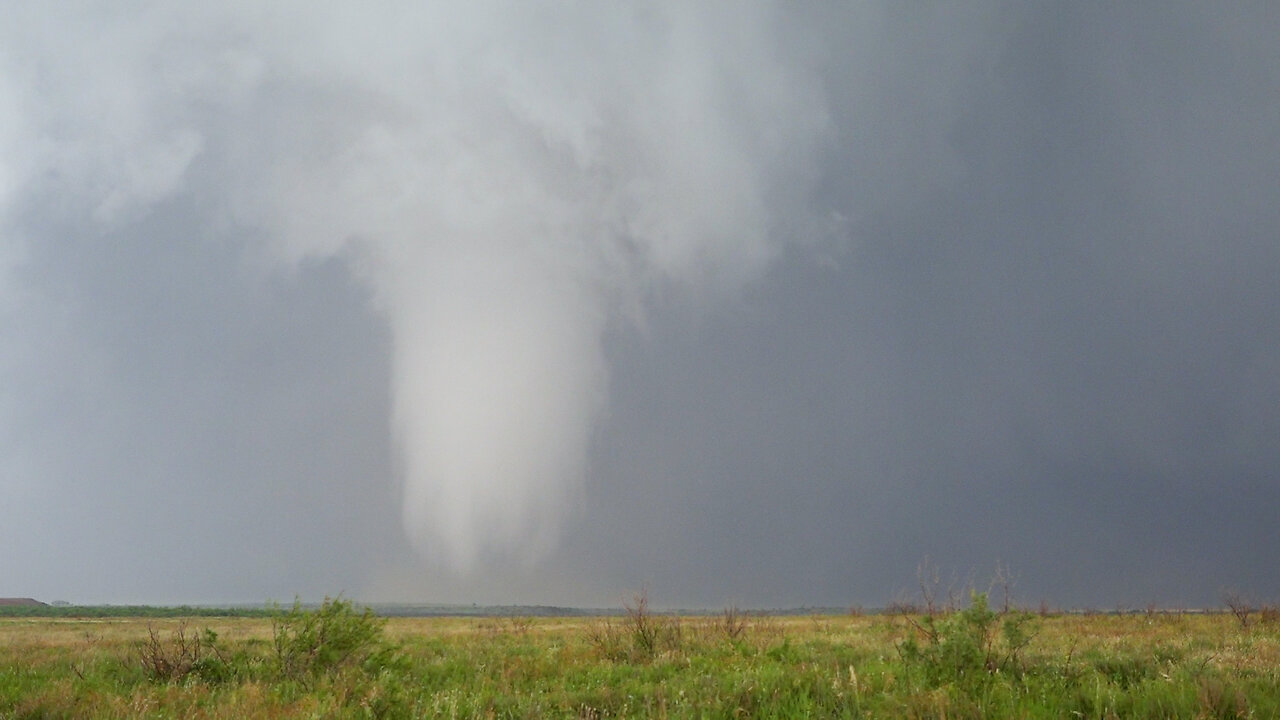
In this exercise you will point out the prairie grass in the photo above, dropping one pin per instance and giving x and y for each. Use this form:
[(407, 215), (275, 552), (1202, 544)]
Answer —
[(728, 665)]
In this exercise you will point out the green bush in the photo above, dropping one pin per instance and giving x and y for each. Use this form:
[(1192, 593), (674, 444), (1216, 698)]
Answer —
[(966, 647), (328, 640), (340, 653)]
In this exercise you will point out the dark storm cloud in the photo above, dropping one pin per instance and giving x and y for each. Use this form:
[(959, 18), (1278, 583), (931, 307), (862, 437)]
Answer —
[(1053, 347), (1050, 343)]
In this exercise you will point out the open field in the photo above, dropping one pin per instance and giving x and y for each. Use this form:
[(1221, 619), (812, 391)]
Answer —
[(969, 664)]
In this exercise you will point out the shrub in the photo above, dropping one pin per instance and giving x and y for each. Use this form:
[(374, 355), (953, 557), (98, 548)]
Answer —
[(964, 647), (1269, 614), (607, 640), (640, 635), (328, 640), (733, 624), (340, 652), (1239, 606), (649, 631), (184, 654), (643, 626)]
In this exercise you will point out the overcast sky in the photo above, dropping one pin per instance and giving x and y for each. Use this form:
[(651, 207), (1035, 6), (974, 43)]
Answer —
[(756, 303)]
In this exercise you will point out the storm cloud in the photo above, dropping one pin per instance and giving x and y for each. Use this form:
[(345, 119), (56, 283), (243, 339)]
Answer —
[(758, 304)]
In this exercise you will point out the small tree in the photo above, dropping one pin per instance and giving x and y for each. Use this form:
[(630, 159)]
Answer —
[(1239, 606)]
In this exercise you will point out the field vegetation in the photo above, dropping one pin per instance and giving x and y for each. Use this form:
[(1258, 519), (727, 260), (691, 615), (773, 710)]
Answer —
[(961, 660)]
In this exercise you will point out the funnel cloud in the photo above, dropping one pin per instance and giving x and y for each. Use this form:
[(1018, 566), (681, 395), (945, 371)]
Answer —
[(531, 174)]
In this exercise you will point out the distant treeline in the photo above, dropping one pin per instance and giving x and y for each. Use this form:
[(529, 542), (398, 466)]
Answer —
[(386, 610), (382, 609), (131, 611)]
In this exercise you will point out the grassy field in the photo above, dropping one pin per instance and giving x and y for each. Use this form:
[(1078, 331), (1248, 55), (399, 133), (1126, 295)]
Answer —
[(337, 662)]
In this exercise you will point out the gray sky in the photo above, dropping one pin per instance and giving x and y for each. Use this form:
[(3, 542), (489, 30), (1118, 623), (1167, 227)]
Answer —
[(757, 304)]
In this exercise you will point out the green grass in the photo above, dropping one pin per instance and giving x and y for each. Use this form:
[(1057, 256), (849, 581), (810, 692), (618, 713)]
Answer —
[(871, 666)]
